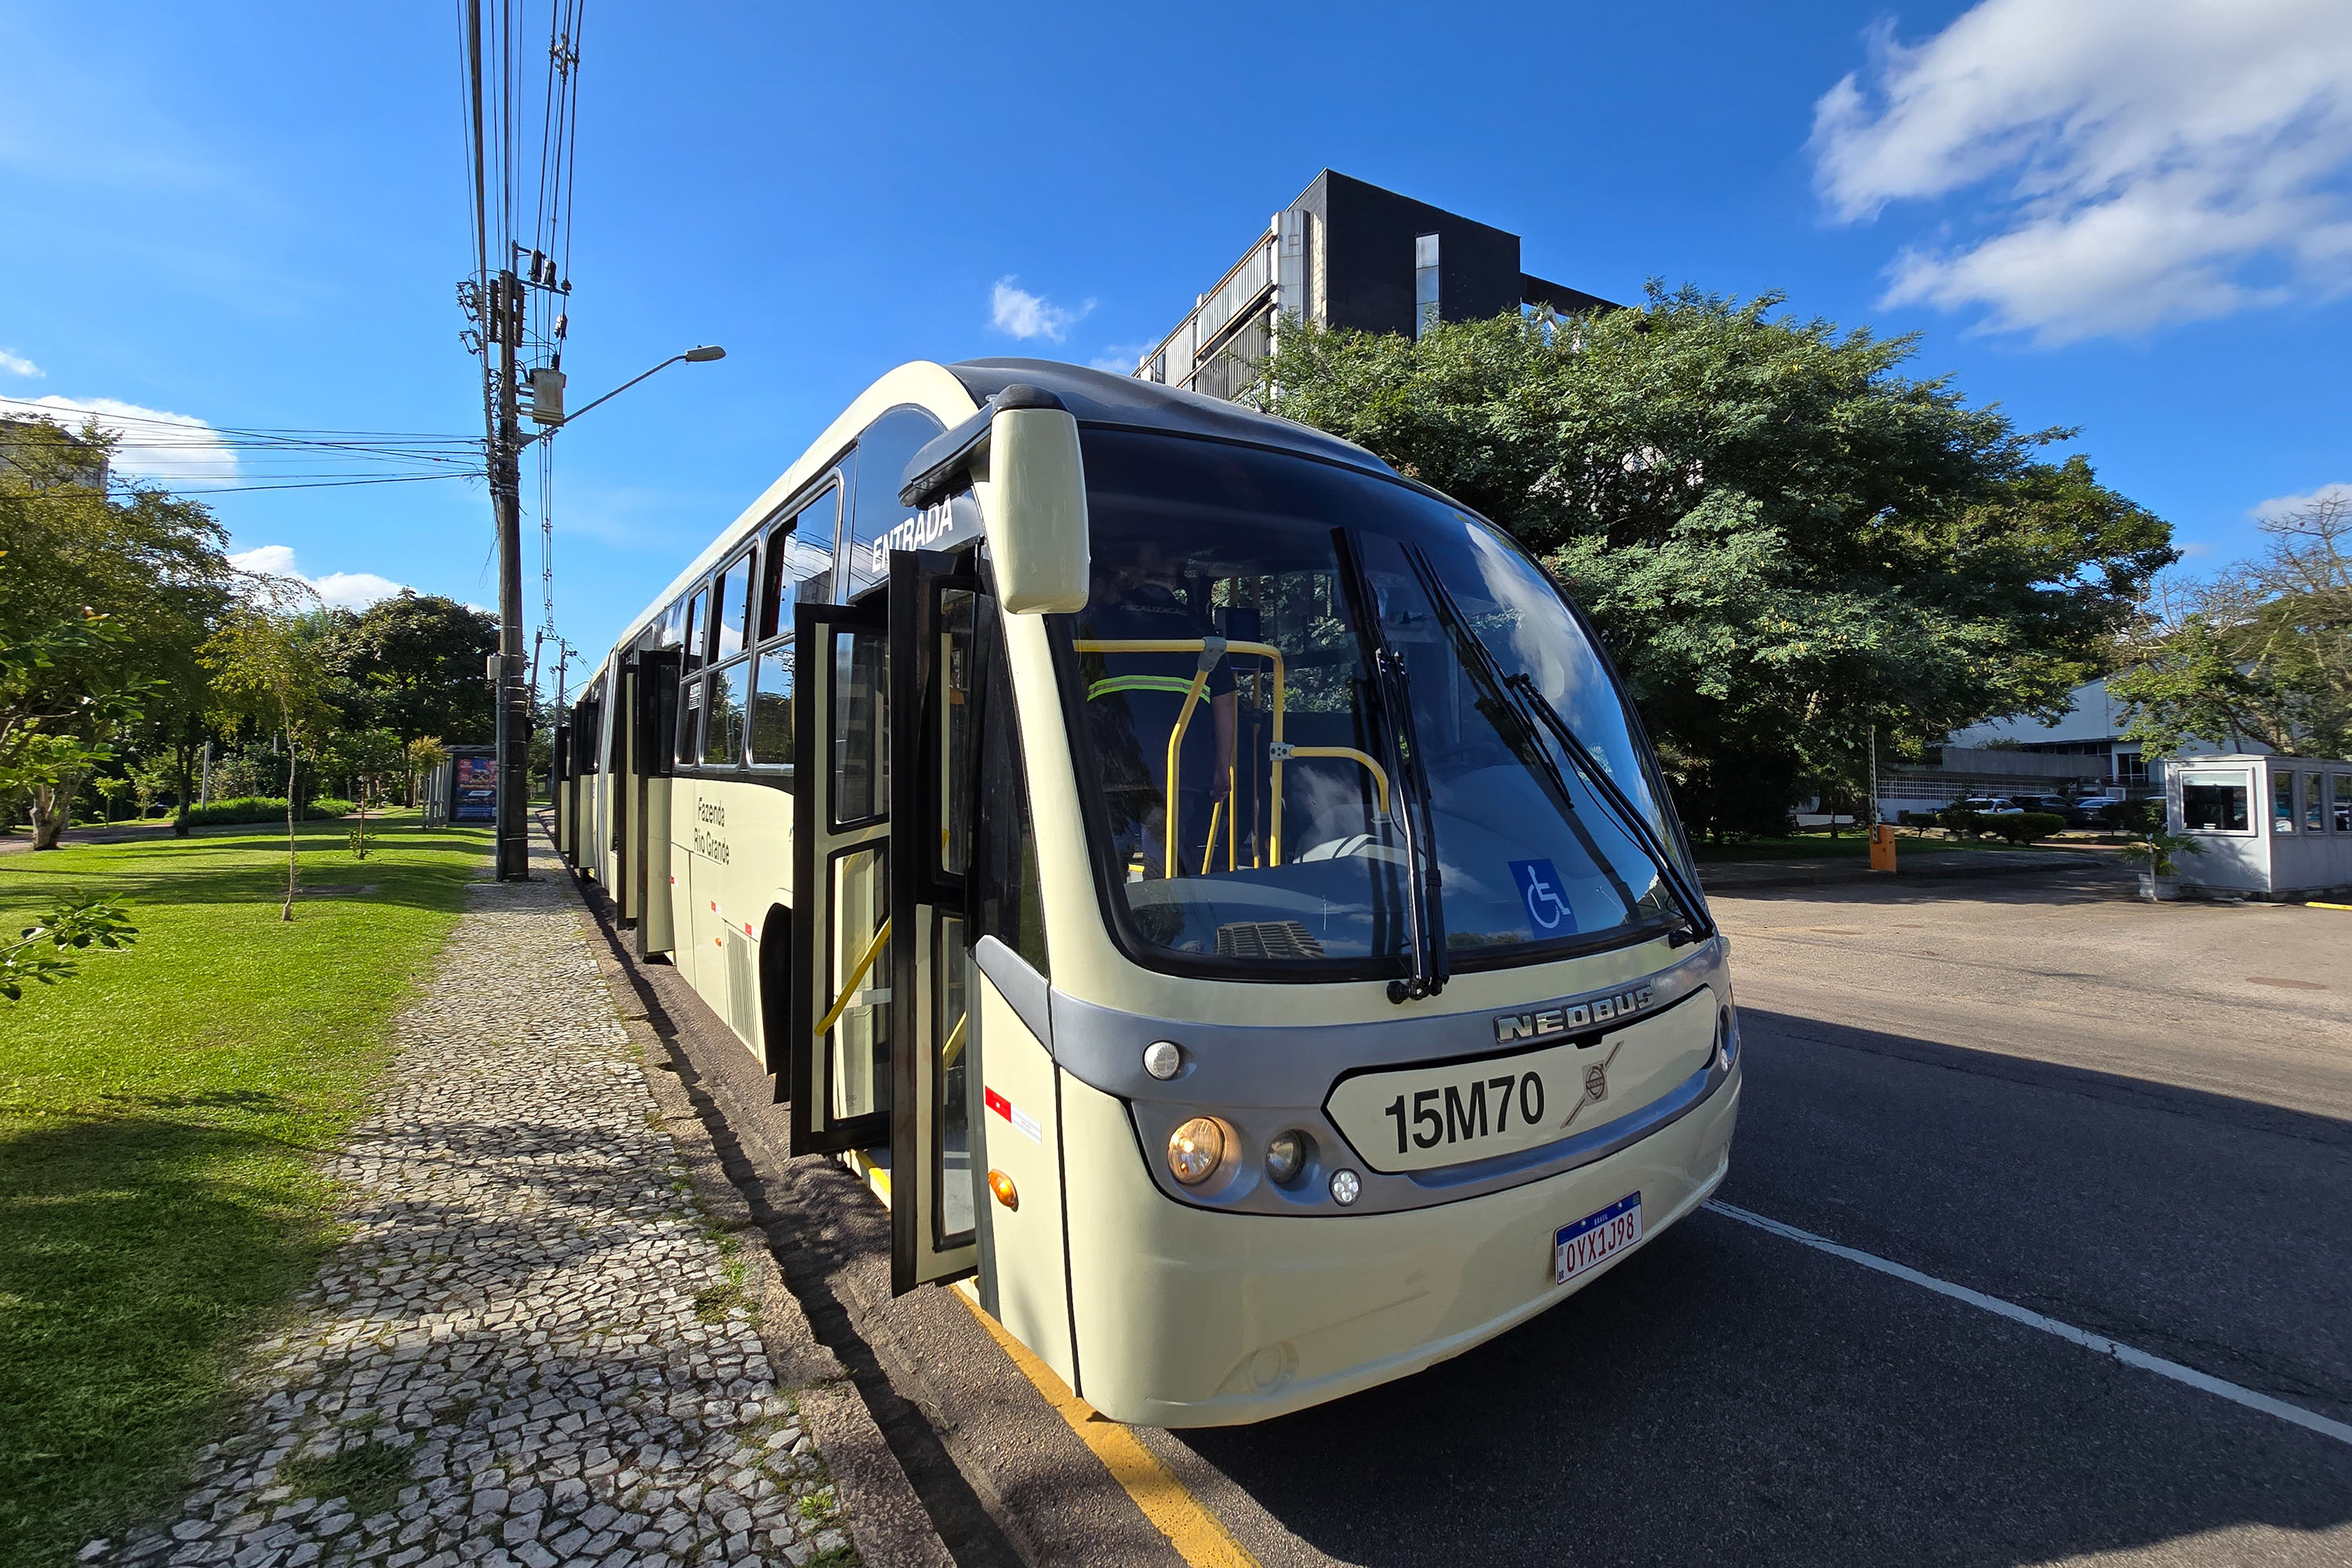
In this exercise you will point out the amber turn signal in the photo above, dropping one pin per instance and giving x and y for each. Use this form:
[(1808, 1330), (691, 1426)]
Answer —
[(1001, 1186)]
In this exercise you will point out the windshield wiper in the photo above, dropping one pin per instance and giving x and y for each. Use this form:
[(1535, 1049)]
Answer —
[(1529, 703), (1424, 911)]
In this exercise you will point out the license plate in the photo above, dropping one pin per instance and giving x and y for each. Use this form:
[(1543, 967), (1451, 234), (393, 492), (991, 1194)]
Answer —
[(1580, 1248)]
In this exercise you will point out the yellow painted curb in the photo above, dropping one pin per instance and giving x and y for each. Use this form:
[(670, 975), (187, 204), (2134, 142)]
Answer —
[(2314, 904), (1191, 1530)]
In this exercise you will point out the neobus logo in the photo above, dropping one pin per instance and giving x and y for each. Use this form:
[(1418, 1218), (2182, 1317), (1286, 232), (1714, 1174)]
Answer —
[(1552, 1021)]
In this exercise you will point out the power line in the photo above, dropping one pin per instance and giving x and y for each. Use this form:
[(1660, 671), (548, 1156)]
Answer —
[(522, 316)]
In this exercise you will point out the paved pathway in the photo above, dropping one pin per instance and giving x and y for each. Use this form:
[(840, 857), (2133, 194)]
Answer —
[(534, 1348)]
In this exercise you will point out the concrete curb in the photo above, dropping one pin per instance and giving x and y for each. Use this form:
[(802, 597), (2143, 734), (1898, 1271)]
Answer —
[(884, 1517)]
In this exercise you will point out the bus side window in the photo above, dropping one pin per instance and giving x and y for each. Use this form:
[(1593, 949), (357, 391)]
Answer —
[(884, 448), (1003, 881), (697, 625)]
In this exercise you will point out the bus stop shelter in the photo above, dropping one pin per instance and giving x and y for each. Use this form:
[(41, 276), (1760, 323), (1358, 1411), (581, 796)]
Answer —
[(464, 788), (2269, 827)]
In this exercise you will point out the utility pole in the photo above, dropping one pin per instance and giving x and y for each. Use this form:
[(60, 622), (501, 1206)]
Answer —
[(505, 500)]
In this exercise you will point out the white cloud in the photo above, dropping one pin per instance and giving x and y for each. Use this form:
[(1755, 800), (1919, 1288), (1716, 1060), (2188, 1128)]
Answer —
[(17, 364), (346, 590), (1119, 359), (2280, 506), (2134, 162), (1019, 313), (170, 448)]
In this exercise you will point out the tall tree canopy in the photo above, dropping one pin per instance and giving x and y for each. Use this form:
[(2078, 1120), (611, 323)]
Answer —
[(2261, 652), (1784, 540), (150, 565), (414, 665)]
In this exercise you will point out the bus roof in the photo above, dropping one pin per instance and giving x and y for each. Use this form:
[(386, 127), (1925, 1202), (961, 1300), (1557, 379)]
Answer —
[(1100, 397), (1092, 396)]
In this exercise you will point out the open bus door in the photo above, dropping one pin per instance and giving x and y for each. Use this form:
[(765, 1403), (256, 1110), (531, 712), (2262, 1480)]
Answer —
[(934, 601), (654, 740), (838, 1073)]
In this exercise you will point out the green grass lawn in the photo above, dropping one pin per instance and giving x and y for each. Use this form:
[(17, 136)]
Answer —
[(162, 1119)]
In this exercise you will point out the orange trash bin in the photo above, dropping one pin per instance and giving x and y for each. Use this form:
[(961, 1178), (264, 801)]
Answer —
[(1881, 847)]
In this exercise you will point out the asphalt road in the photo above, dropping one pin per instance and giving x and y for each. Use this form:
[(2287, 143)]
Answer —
[(2135, 1120)]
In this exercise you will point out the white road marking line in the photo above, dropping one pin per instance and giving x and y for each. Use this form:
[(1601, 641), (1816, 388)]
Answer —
[(2032, 1320)]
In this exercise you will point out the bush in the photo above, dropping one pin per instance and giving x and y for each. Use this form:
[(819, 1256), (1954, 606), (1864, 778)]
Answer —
[(1966, 823), (262, 808), (1915, 819), (2025, 826)]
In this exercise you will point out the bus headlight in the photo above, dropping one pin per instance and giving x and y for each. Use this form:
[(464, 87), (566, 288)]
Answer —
[(1286, 1156), (1195, 1150)]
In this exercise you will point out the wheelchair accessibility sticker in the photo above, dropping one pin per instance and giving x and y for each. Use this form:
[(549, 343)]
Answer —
[(1540, 890)]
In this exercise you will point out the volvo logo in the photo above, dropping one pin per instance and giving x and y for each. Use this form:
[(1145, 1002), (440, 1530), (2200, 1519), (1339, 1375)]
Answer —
[(1596, 1085), (1549, 1022)]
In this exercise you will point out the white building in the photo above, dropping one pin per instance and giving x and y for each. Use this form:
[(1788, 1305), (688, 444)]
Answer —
[(2083, 753)]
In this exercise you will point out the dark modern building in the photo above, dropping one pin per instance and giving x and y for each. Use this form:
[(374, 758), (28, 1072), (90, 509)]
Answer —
[(1349, 253)]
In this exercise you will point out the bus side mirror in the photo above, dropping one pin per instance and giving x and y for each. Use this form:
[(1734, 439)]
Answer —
[(1035, 514), (1037, 519)]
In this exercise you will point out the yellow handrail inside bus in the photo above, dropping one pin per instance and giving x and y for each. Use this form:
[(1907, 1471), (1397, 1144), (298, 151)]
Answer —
[(1198, 645), (1209, 850), (1379, 775), (849, 988), (954, 1047), (1175, 740)]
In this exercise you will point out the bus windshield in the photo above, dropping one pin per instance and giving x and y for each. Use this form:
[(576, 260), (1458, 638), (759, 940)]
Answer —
[(1249, 781)]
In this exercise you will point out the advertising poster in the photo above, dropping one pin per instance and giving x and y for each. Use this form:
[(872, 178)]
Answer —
[(474, 792)]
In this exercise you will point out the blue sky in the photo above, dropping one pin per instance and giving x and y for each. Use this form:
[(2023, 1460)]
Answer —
[(2124, 218)]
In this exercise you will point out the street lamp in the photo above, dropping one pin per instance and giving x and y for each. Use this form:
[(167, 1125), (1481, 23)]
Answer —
[(702, 354), (507, 443)]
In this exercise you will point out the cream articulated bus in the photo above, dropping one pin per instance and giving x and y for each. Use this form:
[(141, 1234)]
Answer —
[(1218, 888)]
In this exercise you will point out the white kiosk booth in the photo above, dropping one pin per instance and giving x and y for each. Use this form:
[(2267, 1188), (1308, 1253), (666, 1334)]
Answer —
[(2271, 826)]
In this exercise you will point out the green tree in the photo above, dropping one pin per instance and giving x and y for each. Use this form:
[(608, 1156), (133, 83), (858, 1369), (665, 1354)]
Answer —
[(50, 949), (150, 564), (2261, 653), (1782, 538), (425, 753), (416, 665), (266, 669), (61, 698)]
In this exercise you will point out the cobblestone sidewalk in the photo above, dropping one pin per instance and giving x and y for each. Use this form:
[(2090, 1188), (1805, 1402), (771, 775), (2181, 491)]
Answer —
[(533, 1348)]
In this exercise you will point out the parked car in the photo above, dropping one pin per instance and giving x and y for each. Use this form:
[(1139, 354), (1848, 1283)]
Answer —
[(2056, 804), (1988, 805), (2086, 811)]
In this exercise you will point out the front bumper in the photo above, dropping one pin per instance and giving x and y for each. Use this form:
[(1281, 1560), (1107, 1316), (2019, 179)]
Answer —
[(1191, 1317)]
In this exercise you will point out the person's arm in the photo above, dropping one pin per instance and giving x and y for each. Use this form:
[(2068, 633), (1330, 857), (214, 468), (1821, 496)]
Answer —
[(1223, 706)]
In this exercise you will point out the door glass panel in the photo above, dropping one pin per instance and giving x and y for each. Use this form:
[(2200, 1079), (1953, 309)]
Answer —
[(722, 734), (2342, 785), (855, 1060), (2315, 810), (771, 707), (951, 1113), (955, 727), (689, 722), (861, 730), (2283, 803)]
